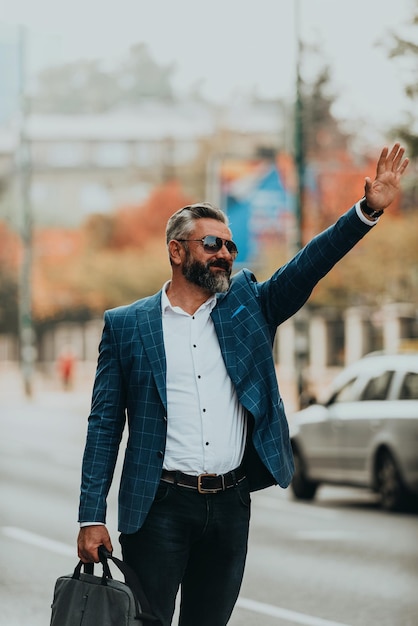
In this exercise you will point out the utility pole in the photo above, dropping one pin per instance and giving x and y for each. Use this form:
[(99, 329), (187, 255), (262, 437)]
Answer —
[(298, 134), (27, 348), (300, 324)]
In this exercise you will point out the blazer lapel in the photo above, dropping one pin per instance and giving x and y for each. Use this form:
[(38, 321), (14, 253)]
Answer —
[(151, 331), (222, 320)]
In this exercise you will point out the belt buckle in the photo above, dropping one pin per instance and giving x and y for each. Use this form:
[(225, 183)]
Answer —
[(202, 489)]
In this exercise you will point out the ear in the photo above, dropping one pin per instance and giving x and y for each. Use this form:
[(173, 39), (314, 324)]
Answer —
[(176, 252)]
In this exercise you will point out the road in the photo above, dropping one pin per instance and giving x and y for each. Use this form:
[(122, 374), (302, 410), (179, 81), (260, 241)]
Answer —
[(338, 562)]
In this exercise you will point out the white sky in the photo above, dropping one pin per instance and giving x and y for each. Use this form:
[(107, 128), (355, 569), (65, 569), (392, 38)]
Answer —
[(234, 45)]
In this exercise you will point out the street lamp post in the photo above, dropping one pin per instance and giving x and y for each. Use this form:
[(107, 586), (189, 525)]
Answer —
[(301, 339), (27, 348), (298, 134)]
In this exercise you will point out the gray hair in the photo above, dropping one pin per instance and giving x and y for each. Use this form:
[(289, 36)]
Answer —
[(181, 223)]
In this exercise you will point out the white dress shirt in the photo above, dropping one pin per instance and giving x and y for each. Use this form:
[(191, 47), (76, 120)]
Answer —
[(206, 424)]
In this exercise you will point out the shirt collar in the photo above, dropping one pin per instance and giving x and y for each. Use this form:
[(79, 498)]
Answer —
[(166, 304)]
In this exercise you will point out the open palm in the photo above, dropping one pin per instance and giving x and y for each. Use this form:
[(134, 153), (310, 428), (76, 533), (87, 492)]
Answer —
[(381, 192)]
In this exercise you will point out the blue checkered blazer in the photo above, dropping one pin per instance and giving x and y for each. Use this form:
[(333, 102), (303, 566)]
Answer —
[(131, 374)]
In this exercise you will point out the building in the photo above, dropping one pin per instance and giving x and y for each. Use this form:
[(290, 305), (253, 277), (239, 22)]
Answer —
[(84, 164)]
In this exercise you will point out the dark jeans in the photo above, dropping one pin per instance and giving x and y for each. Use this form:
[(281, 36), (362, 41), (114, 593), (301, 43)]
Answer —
[(198, 541)]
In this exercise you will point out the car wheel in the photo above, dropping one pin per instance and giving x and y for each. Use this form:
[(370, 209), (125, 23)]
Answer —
[(389, 483), (302, 487)]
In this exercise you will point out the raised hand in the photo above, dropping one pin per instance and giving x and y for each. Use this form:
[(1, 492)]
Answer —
[(383, 189)]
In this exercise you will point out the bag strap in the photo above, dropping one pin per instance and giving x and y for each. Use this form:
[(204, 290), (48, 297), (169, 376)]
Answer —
[(143, 609), (132, 580)]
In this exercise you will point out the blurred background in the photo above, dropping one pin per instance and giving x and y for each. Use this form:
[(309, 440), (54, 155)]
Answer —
[(113, 116)]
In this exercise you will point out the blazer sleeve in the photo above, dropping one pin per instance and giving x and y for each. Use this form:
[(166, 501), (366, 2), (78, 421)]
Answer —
[(287, 290), (105, 428)]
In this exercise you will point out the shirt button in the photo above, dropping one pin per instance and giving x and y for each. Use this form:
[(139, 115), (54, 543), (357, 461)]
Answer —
[(207, 443)]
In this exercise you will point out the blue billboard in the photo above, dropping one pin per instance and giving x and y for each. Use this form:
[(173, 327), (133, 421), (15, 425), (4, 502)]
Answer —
[(258, 203)]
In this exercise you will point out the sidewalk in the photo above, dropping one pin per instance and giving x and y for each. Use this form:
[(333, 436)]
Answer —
[(44, 387)]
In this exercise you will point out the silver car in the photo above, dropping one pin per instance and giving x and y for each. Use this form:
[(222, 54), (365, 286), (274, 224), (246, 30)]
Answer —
[(365, 434)]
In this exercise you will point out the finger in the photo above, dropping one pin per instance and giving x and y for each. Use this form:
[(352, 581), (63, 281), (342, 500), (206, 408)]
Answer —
[(398, 158), (89, 539), (87, 554), (367, 184), (403, 166), (107, 544), (90, 555), (392, 154), (381, 163)]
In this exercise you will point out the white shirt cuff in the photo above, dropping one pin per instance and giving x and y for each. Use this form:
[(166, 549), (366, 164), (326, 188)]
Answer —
[(363, 217), (82, 524)]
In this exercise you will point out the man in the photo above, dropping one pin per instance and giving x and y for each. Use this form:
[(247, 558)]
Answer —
[(192, 368)]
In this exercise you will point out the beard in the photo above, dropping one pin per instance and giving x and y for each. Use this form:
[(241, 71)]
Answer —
[(201, 275)]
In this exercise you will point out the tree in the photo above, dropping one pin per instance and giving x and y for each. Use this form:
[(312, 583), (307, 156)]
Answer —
[(135, 226), (10, 252), (112, 260), (79, 87), (408, 49), (8, 304), (382, 268), (322, 131), (92, 87), (391, 251), (141, 77)]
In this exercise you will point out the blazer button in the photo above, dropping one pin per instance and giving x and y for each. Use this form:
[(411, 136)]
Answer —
[(160, 454)]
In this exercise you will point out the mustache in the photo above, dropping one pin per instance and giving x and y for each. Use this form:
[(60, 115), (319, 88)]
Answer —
[(221, 263)]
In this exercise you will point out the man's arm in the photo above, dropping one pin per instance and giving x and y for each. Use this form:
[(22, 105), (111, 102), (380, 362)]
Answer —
[(287, 290), (106, 422)]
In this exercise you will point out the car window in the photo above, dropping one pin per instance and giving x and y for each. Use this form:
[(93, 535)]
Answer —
[(345, 394), (377, 387), (409, 389)]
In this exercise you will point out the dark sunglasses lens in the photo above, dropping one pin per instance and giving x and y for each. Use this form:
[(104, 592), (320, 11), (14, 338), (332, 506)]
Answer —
[(231, 247), (212, 243)]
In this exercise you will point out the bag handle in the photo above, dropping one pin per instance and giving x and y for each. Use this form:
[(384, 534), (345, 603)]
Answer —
[(143, 609), (132, 580), (88, 568)]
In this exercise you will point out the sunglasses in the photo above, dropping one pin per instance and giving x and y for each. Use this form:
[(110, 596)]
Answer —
[(212, 244)]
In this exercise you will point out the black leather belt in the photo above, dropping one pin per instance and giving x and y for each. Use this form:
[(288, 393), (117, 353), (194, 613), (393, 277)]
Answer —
[(205, 483)]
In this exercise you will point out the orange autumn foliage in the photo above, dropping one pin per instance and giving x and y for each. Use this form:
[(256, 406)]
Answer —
[(339, 183), (135, 226), (55, 251), (101, 264), (10, 249)]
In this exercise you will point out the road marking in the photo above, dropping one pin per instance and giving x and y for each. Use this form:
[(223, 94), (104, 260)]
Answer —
[(37, 540), (325, 535), (290, 616), (262, 608)]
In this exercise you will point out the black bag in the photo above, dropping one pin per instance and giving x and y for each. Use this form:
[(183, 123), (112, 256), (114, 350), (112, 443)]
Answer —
[(84, 599)]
